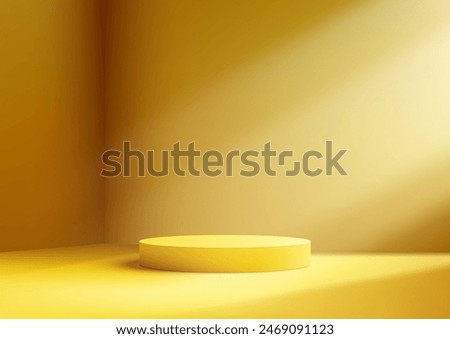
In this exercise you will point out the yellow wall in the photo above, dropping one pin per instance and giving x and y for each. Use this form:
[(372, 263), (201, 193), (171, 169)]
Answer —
[(51, 125), (373, 76)]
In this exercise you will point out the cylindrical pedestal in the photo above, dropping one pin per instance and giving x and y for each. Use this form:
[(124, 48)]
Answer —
[(224, 253)]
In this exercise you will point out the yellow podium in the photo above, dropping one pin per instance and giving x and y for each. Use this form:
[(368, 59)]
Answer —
[(224, 253)]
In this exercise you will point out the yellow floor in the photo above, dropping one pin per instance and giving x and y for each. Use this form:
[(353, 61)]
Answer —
[(105, 281)]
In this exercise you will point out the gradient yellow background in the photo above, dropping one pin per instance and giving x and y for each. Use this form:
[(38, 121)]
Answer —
[(80, 76), (373, 76)]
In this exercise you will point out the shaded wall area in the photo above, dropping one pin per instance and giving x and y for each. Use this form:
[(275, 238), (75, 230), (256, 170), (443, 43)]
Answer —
[(51, 123)]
